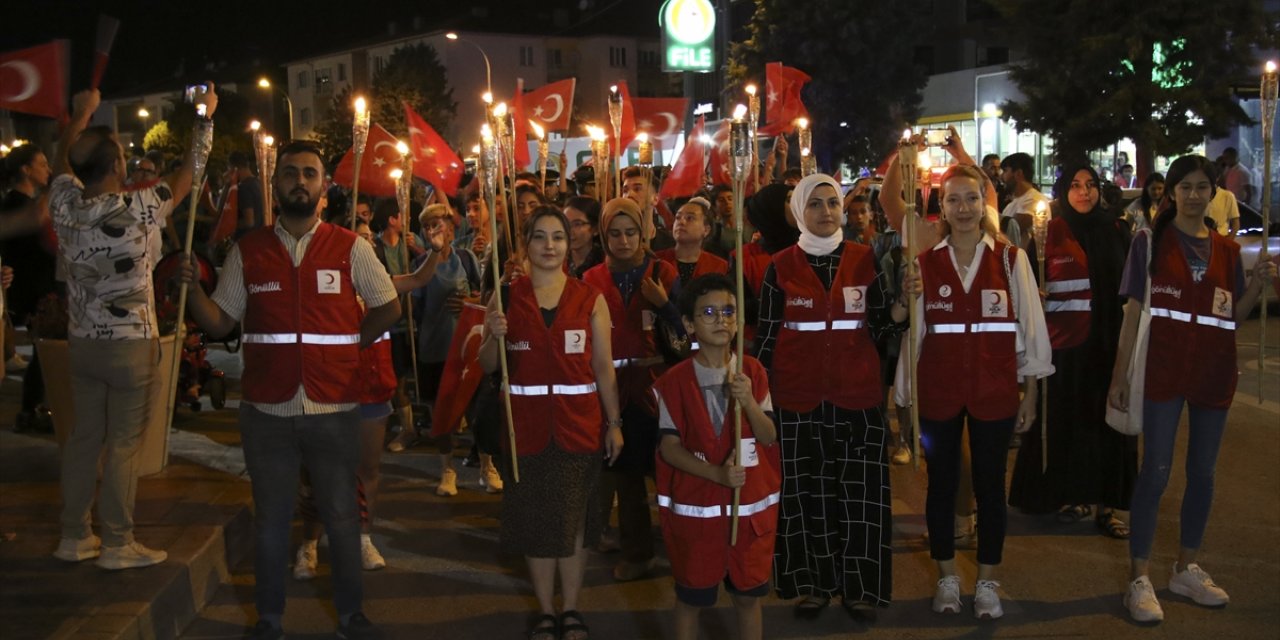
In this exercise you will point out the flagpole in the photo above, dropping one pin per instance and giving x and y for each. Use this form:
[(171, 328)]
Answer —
[(907, 167), (1268, 94), (489, 165), (740, 149), (1040, 231), (359, 136), (201, 143)]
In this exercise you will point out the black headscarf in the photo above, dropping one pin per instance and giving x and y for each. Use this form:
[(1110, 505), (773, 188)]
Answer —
[(766, 210)]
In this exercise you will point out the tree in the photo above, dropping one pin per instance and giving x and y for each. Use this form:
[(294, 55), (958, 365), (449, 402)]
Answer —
[(865, 86), (1160, 76), (230, 124), (412, 74)]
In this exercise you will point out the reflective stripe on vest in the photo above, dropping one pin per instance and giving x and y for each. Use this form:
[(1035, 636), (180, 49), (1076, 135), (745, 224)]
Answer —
[(1051, 306), (384, 336), (838, 325), (716, 511), (637, 362), (307, 338), (1180, 316), (555, 389), (1064, 286), (977, 327)]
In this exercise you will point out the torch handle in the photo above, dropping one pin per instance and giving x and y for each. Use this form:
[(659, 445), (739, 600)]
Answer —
[(496, 268), (1266, 250), (739, 347), (355, 188), (1044, 386)]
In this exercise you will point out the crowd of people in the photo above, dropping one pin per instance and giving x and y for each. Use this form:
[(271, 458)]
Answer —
[(609, 331)]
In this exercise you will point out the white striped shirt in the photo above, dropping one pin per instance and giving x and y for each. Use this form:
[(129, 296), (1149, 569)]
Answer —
[(368, 277)]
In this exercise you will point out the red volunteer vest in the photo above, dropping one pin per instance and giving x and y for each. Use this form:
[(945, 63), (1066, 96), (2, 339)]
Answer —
[(1066, 308), (707, 262), (824, 350), (301, 324), (968, 358), (377, 373), (696, 513), (1193, 328), (553, 387), (632, 336)]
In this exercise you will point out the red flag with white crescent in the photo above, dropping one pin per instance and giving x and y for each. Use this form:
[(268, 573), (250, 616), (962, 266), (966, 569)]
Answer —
[(782, 95), (686, 178), (551, 105), (433, 159), (380, 158), (462, 372), (34, 80), (721, 169), (661, 117)]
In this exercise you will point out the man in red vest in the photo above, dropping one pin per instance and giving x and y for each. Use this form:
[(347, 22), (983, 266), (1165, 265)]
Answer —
[(293, 286)]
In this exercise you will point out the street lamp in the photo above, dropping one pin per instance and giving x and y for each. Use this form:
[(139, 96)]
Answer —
[(264, 83), (488, 75)]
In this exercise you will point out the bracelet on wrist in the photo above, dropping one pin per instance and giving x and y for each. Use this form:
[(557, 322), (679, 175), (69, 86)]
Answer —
[(616, 422)]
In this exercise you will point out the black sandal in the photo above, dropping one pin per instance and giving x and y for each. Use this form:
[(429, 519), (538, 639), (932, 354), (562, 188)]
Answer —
[(1074, 513), (861, 611), (573, 630), (545, 629), (1111, 526), (811, 607)]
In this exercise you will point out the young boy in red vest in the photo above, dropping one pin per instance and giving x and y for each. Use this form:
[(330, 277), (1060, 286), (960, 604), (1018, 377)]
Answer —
[(697, 473)]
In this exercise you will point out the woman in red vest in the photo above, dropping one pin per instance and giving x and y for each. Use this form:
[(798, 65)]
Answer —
[(640, 291), (1198, 295), (983, 332), (821, 303), (557, 337), (690, 231), (1089, 462)]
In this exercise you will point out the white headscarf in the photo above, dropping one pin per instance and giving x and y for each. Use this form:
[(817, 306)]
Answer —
[(810, 243)]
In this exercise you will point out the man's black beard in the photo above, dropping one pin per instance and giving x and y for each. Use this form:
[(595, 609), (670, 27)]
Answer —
[(297, 210)]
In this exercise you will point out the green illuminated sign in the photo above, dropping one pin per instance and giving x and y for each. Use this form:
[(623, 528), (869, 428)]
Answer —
[(688, 35)]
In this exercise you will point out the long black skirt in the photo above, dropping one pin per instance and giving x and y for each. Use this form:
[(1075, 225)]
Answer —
[(835, 528)]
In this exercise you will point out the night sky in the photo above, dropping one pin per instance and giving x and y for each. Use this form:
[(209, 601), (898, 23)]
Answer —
[(157, 39)]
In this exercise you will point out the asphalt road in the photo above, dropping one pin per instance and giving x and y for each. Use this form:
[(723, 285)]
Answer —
[(447, 579)]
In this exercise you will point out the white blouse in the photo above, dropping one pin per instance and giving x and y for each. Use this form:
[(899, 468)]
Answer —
[(1034, 351)]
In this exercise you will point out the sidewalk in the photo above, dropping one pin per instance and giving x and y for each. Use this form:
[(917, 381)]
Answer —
[(199, 515)]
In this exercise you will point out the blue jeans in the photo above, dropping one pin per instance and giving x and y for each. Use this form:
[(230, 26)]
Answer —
[(274, 449), (1159, 430), (989, 450)]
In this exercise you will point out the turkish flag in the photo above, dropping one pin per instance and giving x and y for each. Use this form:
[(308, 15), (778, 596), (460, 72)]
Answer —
[(628, 128), (34, 80), (686, 178), (551, 105), (782, 92), (433, 160), (462, 373), (380, 157), (520, 128), (721, 167), (661, 117)]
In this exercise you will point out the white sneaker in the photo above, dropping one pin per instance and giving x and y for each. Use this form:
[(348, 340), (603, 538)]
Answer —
[(1141, 601), (304, 566), (1196, 584), (130, 556), (370, 559), (76, 550), (448, 483), (986, 602), (947, 598), (489, 478), (16, 364)]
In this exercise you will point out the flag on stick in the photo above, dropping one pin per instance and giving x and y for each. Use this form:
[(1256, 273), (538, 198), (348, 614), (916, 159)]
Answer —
[(107, 29), (552, 105), (782, 92), (375, 170), (462, 372), (433, 160), (686, 178), (34, 80)]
